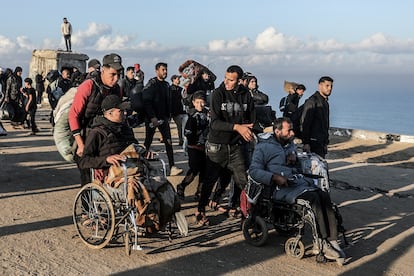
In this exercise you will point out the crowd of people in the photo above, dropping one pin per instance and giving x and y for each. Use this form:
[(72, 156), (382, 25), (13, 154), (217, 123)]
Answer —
[(221, 129)]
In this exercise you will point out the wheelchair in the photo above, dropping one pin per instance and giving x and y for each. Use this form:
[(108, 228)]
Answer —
[(102, 214), (262, 213)]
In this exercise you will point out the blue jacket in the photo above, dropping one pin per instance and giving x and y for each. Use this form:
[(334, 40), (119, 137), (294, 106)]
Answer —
[(269, 157)]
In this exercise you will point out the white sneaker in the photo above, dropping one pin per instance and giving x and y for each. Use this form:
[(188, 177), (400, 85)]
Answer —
[(338, 248), (329, 251), (175, 171)]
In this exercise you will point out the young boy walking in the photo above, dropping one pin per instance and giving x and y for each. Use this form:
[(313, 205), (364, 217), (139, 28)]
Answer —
[(30, 105)]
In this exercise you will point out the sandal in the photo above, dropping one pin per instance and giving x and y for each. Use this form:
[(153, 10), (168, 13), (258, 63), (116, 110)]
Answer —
[(212, 204), (217, 207), (222, 209), (235, 212), (202, 220)]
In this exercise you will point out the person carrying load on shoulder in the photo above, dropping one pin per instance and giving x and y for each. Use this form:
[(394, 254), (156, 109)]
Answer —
[(87, 104)]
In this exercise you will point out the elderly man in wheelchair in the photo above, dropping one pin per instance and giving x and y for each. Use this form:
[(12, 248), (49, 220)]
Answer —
[(274, 165)]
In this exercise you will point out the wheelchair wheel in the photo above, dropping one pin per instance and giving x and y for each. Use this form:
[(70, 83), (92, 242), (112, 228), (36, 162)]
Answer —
[(255, 231), (94, 216), (128, 242), (295, 248)]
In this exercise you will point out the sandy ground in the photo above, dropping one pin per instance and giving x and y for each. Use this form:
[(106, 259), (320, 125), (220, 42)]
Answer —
[(372, 183)]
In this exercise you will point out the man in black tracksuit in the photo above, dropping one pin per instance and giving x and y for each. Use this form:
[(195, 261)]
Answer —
[(315, 119), (232, 119), (156, 98)]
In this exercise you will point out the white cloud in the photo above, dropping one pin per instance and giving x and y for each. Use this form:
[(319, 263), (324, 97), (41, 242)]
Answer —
[(6, 44), (236, 45), (272, 41), (269, 50)]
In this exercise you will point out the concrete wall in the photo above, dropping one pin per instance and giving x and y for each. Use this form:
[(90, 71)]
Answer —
[(45, 60)]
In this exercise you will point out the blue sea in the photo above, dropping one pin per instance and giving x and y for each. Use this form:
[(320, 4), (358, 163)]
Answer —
[(375, 103)]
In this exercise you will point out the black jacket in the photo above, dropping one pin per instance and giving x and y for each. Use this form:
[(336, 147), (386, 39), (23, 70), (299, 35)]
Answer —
[(292, 104), (259, 97), (156, 99), (177, 106), (104, 139), (227, 109), (315, 120), (196, 128)]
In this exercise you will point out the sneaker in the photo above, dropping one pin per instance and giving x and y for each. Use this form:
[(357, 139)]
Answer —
[(3, 132), (175, 171), (329, 252), (316, 248), (338, 248)]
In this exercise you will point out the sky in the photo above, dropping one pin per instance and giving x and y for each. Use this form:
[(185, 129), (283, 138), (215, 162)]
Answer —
[(296, 40)]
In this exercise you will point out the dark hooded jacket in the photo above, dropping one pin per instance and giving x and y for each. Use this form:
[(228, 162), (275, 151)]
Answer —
[(227, 109), (104, 139), (196, 128)]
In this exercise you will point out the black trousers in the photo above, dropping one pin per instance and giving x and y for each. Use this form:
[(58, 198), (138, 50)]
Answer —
[(68, 42), (321, 204), (32, 114), (219, 157), (318, 148), (165, 131), (197, 164)]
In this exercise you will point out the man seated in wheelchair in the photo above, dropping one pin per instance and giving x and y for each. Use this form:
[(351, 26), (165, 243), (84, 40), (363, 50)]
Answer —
[(108, 137), (274, 164), (108, 144)]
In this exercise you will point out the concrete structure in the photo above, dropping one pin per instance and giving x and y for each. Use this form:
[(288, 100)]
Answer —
[(45, 60)]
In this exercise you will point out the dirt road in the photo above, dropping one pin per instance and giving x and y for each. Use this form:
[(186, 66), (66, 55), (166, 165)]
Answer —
[(373, 185)]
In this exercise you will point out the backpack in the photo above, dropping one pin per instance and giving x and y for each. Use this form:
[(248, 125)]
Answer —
[(52, 75), (61, 132), (283, 103), (297, 125), (56, 91)]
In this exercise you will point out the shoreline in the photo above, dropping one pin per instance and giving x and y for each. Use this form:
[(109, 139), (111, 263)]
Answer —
[(371, 135)]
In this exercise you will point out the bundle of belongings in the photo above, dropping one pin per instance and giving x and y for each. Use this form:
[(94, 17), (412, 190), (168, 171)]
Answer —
[(313, 165), (148, 189)]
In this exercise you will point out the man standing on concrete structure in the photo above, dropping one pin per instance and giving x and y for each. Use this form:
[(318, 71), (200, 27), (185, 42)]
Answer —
[(66, 29)]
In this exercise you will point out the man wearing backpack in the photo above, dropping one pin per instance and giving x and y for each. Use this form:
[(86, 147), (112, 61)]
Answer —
[(315, 119), (292, 101), (87, 104)]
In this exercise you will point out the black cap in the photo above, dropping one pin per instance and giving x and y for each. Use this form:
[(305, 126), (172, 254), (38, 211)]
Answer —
[(113, 61), (94, 63), (173, 77), (113, 101)]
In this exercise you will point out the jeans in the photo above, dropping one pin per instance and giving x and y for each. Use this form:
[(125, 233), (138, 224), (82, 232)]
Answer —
[(180, 120)]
